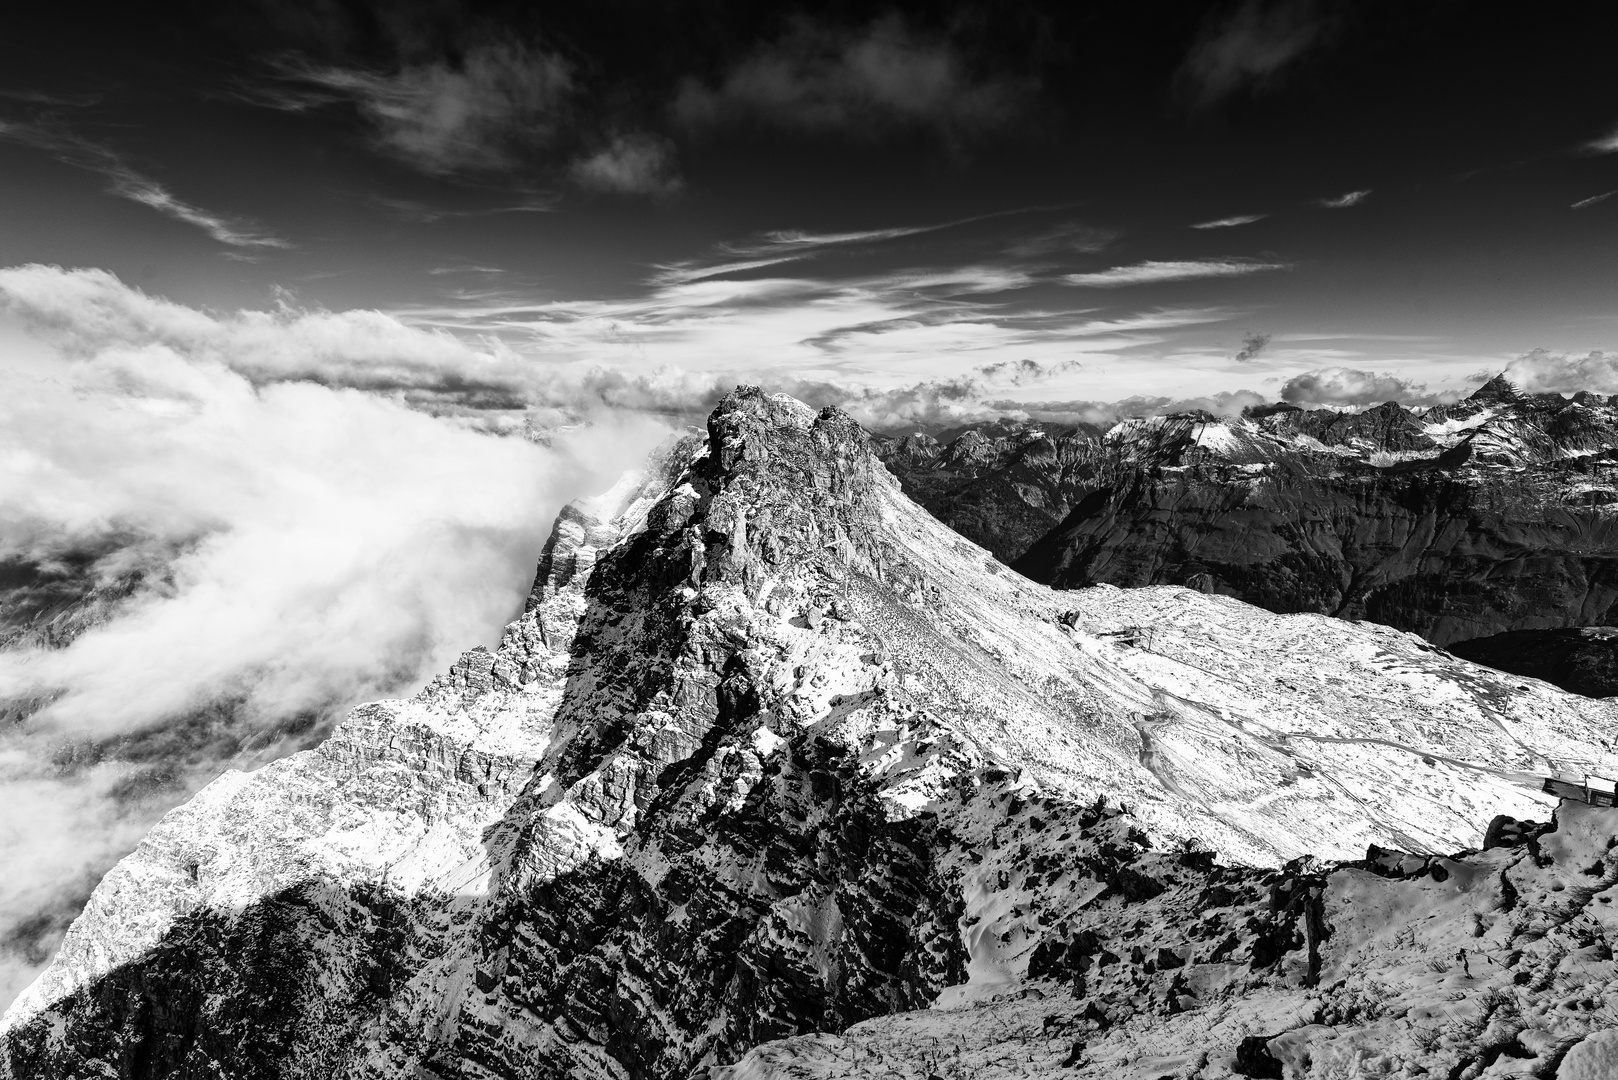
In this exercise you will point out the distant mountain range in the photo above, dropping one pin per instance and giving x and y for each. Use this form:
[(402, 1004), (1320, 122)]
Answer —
[(778, 776), (1457, 522)]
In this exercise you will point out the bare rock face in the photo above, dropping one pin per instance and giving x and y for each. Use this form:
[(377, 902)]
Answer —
[(771, 752), (1455, 522), (1487, 963)]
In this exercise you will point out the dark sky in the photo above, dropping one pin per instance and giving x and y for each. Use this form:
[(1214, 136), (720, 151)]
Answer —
[(1410, 193)]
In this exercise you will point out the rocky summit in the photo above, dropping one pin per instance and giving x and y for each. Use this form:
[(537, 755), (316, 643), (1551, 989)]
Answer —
[(1455, 522), (776, 775)]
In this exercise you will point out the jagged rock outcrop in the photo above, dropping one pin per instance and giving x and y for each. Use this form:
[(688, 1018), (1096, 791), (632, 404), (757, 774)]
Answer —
[(1488, 963), (772, 751), (1454, 522)]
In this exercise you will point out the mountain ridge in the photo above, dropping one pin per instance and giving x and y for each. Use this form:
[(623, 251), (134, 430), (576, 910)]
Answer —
[(736, 773), (1455, 522)]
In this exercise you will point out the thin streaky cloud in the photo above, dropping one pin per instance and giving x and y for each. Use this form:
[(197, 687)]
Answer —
[(956, 280), (1063, 241), (1592, 200), (917, 320), (482, 112), (1345, 200), (788, 245), (796, 243), (797, 237), (858, 84), (1607, 144), (137, 188), (637, 163), (35, 97), (775, 241), (1251, 48), (679, 274), (127, 183), (780, 246), (1153, 271), (1339, 336), (1230, 222), (775, 247), (466, 270), (411, 210)]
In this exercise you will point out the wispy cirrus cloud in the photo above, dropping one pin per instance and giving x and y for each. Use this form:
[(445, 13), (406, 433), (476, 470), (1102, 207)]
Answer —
[(148, 192), (1250, 47), (1230, 222), (860, 83), (790, 245), (477, 113), (881, 327), (1153, 272), (38, 97), (779, 246), (495, 107), (633, 164), (1345, 200), (424, 213), (703, 269), (1065, 239), (1605, 144), (126, 182), (800, 240), (467, 269), (1592, 200)]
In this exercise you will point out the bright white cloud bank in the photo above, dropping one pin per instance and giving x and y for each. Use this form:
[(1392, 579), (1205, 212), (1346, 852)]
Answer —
[(1543, 371), (305, 546)]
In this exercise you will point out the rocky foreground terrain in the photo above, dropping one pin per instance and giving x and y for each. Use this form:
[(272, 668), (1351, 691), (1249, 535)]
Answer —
[(1455, 522), (779, 776)]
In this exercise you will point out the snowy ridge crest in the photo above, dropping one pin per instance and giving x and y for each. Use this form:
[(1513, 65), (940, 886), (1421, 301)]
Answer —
[(771, 751)]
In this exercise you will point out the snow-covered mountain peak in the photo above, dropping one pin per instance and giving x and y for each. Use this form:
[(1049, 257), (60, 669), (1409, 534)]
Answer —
[(736, 773)]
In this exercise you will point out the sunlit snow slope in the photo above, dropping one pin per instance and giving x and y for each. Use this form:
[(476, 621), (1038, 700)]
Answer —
[(735, 775)]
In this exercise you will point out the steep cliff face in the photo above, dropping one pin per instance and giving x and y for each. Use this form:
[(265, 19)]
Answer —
[(1456, 522), (772, 751)]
